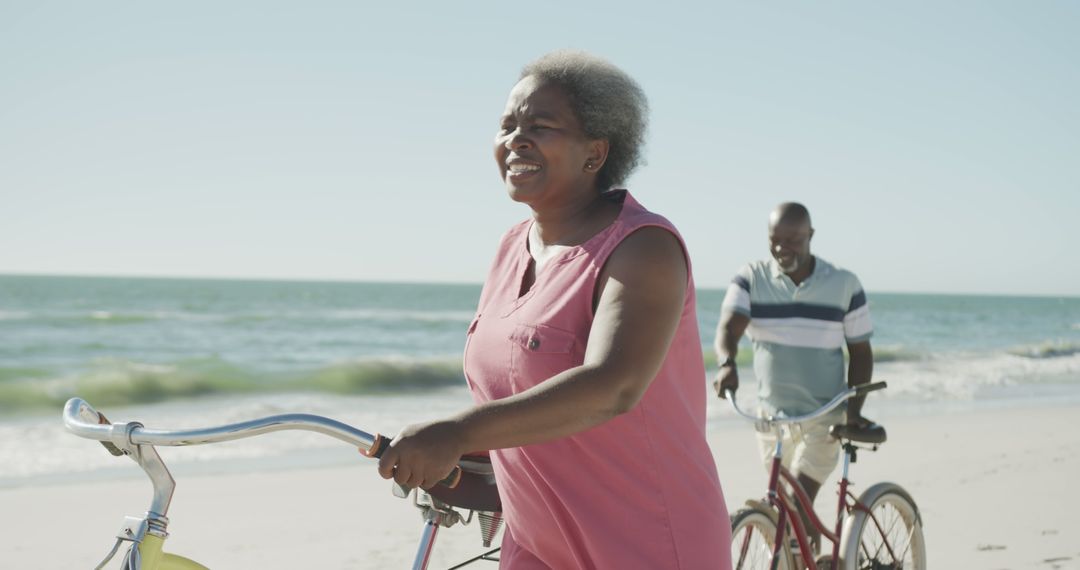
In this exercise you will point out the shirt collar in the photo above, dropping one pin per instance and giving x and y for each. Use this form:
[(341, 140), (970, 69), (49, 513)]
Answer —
[(774, 268), (820, 268)]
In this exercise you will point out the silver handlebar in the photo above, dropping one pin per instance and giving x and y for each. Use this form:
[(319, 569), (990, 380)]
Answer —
[(82, 420), (137, 442), (774, 420)]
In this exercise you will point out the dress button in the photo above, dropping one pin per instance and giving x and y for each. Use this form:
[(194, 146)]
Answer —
[(534, 343)]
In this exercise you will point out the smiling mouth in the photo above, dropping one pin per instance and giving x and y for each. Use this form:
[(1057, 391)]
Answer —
[(519, 168)]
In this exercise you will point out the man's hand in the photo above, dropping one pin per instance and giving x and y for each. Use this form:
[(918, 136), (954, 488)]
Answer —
[(726, 379), (728, 332)]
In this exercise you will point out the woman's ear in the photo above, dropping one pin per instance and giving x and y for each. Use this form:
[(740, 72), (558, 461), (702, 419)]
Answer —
[(598, 153)]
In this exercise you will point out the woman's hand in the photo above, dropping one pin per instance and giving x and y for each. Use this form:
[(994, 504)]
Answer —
[(423, 454)]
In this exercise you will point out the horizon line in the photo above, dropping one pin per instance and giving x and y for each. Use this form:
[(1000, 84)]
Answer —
[(347, 280)]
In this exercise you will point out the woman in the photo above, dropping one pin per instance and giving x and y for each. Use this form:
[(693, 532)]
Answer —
[(584, 357)]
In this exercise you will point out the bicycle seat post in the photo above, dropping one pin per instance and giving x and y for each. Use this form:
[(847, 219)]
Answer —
[(849, 452)]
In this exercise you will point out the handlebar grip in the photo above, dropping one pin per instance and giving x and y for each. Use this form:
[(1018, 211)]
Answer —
[(382, 443), (379, 446), (871, 387)]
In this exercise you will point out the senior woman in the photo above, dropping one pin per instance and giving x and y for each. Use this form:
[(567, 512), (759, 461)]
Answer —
[(584, 358)]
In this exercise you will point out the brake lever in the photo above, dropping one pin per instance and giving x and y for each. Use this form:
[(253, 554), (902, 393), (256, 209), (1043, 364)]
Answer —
[(96, 417)]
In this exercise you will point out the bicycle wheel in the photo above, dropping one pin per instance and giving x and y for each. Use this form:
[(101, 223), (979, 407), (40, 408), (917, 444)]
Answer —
[(888, 537), (753, 532)]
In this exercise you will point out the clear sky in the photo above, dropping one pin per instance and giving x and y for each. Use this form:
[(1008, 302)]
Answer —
[(937, 144)]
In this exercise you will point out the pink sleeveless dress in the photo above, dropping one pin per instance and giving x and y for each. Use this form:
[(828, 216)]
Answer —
[(639, 491)]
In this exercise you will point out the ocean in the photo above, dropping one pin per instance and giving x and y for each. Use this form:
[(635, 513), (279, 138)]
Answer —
[(177, 353)]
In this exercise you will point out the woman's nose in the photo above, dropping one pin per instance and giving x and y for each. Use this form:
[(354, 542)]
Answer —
[(516, 140)]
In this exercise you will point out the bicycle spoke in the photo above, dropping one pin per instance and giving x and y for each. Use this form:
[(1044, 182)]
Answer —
[(899, 549), (752, 541), (745, 545), (867, 553), (755, 550), (889, 547), (888, 533), (907, 547)]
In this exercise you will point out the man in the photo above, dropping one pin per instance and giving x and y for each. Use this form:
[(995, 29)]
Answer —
[(800, 311)]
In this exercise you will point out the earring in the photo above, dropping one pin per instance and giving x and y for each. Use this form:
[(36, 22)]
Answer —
[(588, 165)]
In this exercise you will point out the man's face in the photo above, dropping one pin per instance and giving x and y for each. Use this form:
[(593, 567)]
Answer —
[(789, 244)]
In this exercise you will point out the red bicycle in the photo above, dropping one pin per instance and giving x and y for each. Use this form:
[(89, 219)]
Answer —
[(879, 530)]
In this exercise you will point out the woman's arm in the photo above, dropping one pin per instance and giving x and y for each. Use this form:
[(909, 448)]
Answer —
[(642, 291)]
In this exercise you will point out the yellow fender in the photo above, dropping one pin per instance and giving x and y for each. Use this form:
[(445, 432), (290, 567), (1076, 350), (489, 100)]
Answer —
[(153, 558)]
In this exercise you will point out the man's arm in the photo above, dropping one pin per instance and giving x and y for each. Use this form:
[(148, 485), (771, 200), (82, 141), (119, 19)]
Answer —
[(728, 333), (860, 369)]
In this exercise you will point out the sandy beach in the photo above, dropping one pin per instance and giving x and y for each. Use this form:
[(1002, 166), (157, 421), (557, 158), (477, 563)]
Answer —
[(994, 487)]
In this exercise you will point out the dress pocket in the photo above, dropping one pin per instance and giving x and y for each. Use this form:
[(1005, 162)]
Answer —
[(540, 352)]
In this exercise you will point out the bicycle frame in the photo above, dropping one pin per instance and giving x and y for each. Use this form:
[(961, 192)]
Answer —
[(785, 506)]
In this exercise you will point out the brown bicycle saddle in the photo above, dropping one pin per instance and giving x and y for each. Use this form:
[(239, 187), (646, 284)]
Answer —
[(872, 433), (475, 491)]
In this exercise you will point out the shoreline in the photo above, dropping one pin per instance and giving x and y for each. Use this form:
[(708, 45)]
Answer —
[(58, 458), (990, 485)]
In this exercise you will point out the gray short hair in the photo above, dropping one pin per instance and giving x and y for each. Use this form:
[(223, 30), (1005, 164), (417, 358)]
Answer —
[(609, 104)]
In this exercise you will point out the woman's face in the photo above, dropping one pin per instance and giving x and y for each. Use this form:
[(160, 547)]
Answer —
[(541, 151)]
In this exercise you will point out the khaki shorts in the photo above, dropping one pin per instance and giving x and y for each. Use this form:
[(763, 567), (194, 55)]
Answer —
[(808, 448)]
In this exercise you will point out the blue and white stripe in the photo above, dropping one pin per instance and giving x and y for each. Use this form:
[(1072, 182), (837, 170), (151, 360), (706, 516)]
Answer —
[(798, 331), (827, 311)]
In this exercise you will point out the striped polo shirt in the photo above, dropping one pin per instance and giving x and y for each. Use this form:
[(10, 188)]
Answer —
[(798, 331)]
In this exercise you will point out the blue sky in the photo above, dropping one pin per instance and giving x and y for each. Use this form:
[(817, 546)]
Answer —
[(936, 144)]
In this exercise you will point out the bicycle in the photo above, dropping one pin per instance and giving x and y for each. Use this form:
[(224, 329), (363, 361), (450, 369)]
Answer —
[(470, 487), (879, 530)]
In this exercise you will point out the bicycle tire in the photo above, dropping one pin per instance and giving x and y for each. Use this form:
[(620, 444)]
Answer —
[(753, 532), (891, 540)]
